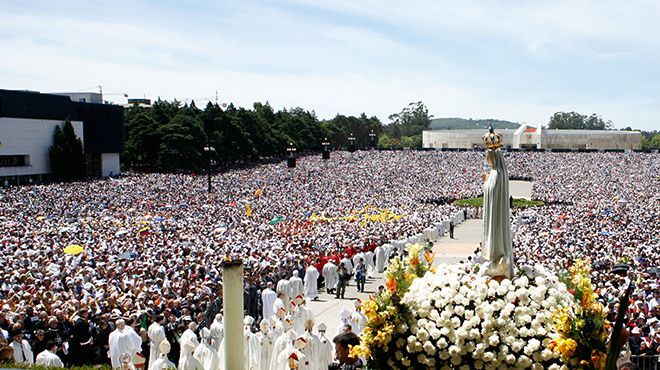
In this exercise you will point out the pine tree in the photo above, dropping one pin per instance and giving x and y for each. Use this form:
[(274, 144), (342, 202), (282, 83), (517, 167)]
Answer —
[(67, 158)]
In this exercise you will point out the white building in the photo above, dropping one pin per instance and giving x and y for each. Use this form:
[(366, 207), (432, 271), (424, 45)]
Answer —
[(529, 137), (27, 127)]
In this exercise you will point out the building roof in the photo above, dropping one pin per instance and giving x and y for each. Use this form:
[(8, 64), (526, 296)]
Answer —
[(34, 105), (589, 132)]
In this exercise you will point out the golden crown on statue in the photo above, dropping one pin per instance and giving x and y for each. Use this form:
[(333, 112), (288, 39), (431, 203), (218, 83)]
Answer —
[(492, 139)]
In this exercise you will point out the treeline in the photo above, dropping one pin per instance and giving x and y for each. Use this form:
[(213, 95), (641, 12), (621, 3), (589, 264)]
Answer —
[(172, 136)]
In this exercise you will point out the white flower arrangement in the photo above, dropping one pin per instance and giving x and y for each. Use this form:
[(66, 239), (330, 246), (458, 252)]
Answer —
[(460, 319)]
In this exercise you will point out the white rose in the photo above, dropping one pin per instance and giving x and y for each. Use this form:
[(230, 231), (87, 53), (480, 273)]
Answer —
[(429, 348), (442, 343), (488, 356), (510, 359), (493, 340)]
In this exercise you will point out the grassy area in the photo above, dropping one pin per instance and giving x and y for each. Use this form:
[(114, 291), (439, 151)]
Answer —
[(517, 202)]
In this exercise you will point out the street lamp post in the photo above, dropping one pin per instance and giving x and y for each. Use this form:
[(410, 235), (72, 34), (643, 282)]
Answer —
[(291, 160), (372, 137), (208, 149), (351, 143), (326, 151)]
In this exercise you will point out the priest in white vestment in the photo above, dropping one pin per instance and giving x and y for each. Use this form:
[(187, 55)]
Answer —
[(312, 350), (251, 349), (268, 297), (381, 257), (295, 285), (48, 357), (282, 342), (326, 348), (187, 361), (189, 335), (283, 287), (369, 261), (162, 362), (156, 334), (358, 321), (217, 332), (123, 341), (331, 276), (205, 353), (267, 340), (311, 280)]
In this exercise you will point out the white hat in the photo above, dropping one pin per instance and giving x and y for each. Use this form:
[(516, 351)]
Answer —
[(164, 347), (636, 331), (322, 327), (248, 320)]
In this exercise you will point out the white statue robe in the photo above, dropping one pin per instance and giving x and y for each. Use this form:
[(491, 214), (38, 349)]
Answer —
[(162, 363), (369, 262), (217, 333), (295, 287), (121, 342), (331, 275), (156, 335), (268, 297), (497, 246), (380, 258), (311, 279), (251, 350), (312, 351), (266, 344), (207, 356), (326, 349), (49, 359), (283, 286)]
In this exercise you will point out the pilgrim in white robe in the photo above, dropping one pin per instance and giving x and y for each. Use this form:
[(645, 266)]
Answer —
[(121, 342), (311, 279), (156, 334), (330, 275), (49, 359), (268, 298)]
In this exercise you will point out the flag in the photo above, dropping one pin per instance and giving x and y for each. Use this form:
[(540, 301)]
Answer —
[(248, 209), (276, 220), (144, 232)]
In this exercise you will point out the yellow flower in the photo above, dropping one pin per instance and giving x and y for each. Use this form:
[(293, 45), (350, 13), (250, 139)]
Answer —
[(566, 347), (359, 351)]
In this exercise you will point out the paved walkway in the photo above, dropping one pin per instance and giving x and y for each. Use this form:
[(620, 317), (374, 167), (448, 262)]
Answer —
[(467, 237)]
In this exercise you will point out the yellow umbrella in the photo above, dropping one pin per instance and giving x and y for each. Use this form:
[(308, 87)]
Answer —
[(41, 218), (73, 250)]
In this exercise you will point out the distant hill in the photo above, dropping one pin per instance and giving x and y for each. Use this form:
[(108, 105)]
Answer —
[(462, 124)]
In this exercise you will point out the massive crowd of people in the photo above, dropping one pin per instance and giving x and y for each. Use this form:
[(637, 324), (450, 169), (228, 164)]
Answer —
[(153, 243)]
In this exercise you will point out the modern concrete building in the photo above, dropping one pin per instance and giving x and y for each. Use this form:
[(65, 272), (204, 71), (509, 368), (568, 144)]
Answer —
[(529, 137), (27, 126)]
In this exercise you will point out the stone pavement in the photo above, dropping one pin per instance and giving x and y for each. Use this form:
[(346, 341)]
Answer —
[(326, 309), (467, 237)]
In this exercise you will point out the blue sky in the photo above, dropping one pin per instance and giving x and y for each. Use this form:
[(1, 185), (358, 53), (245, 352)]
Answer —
[(514, 60)]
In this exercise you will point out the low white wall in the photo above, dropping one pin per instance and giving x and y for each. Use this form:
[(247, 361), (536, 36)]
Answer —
[(110, 164)]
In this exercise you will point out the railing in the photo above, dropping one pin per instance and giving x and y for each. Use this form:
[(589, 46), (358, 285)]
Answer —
[(646, 362)]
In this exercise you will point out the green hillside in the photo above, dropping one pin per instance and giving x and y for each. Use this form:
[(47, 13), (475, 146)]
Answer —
[(462, 124)]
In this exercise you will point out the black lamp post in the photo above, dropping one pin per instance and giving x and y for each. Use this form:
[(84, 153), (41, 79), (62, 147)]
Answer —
[(208, 150), (617, 331), (291, 160), (372, 138), (351, 143), (326, 151)]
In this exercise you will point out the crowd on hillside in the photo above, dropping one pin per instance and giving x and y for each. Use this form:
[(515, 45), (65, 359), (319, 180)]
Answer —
[(153, 243)]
